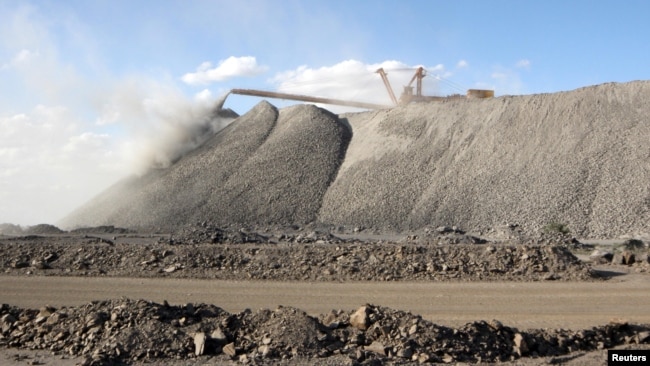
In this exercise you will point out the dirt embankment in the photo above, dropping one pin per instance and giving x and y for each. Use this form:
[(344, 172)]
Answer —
[(115, 331), (206, 251)]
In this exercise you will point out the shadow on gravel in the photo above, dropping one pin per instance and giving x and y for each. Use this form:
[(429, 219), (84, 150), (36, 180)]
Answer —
[(606, 274), (564, 360)]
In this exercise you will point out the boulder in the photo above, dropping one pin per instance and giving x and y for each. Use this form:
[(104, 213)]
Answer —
[(624, 257), (376, 347), (601, 257), (218, 336), (360, 319), (229, 350), (199, 343), (520, 347)]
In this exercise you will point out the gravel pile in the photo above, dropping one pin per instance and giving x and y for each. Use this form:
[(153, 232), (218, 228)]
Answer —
[(40, 229), (573, 160), (125, 331), (306, 256), (267, 166), (10, 229), (577, 159)]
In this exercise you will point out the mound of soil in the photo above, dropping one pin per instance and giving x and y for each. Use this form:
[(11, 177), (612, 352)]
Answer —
[(42, 229), (124, 331), (210, 252), (10, 229)]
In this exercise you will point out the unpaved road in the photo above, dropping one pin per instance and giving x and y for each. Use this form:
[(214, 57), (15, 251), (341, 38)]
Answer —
[(519, 304)]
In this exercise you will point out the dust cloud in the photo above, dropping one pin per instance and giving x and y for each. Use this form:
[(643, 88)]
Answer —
[(173, 127)]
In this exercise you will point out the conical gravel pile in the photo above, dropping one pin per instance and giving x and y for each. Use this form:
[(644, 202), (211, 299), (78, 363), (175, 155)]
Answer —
[(267, 166)]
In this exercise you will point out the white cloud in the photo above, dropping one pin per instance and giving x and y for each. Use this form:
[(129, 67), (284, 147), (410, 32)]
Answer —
[(462, 64), (356, 81), (22, 57), (203, 95), (50, 164), (108, 116), (523, 64), (86, 140), (229, 68), (67, 131)]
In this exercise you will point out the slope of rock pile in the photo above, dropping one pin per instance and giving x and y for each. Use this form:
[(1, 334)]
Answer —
[(115, 331), (301, 258), (578, 159), (575, 160), (267, 166)]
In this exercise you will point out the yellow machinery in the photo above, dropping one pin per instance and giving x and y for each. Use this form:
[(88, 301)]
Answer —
[(409, 97)]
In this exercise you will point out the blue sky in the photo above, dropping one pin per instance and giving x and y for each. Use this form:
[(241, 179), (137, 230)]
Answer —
[(92, 90)]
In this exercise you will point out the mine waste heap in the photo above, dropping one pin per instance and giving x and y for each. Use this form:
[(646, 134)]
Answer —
[(578, 158)]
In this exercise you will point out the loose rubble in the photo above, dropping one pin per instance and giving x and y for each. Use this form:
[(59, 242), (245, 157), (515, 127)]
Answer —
[(125, 331), (206, 251), (632, 253)]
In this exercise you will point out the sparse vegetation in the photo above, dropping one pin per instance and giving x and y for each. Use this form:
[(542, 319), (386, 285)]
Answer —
[(556, 227), (631, 245)]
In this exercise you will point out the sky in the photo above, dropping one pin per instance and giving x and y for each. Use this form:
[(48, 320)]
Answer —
[(94, 91)]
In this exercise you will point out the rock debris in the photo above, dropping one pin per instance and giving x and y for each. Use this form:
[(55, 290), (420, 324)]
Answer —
[(119, 331)]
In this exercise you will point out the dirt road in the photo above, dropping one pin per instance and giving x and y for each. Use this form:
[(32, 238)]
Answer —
[(520, 304)]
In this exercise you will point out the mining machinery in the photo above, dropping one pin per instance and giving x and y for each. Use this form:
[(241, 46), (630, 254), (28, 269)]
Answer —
[(409, 95)]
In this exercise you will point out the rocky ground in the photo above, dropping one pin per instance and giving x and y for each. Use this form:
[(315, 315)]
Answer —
[(125, 331), (128, 331), (207, 251)]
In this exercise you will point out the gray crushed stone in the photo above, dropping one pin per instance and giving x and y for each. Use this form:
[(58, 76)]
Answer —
[(576, 158), (267, 166), (579, 158)]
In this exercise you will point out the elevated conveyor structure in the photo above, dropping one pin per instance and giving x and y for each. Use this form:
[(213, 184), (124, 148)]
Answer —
[(306, 98)]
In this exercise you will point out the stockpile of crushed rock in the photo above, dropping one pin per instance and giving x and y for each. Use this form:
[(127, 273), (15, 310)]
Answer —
[(267, 166), (576, 158), (308, 256), (113, 331)]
